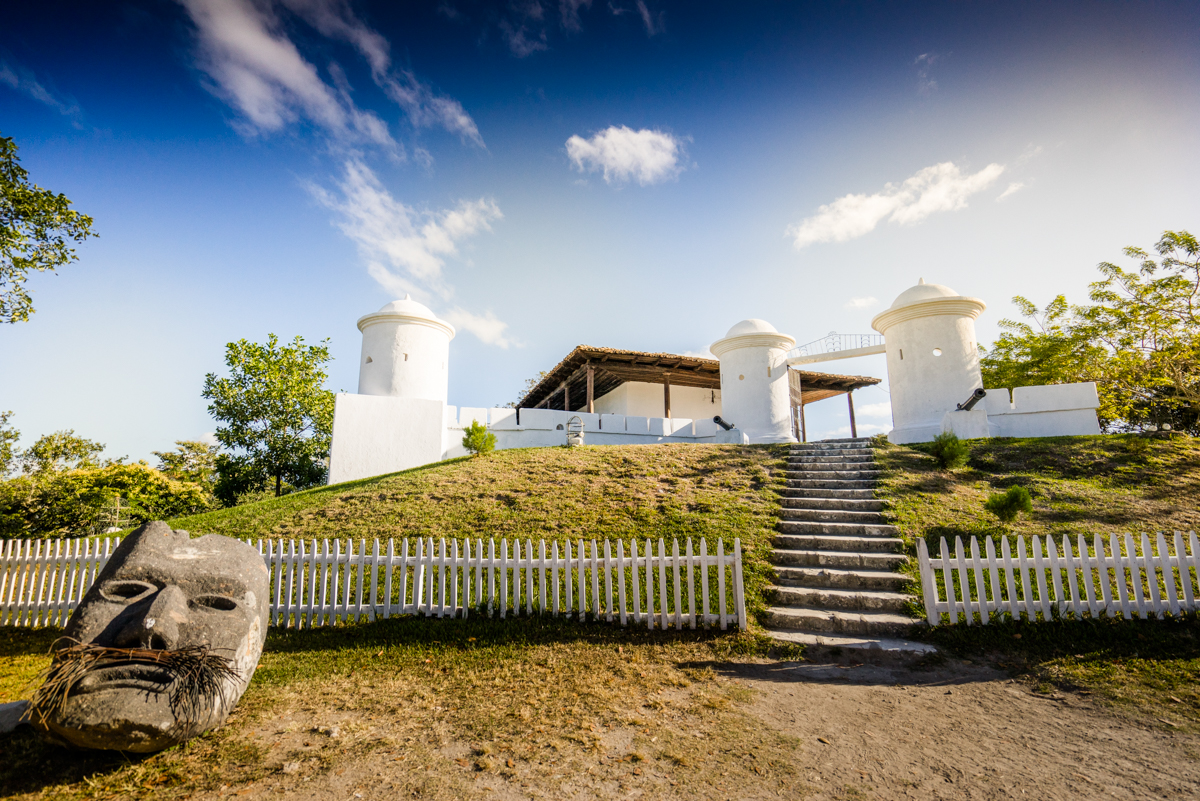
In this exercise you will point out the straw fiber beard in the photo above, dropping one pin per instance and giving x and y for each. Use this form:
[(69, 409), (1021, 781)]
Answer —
[(162, 646)]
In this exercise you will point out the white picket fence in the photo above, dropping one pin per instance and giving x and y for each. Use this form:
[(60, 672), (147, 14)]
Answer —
[(42, 581), (1130, 577)]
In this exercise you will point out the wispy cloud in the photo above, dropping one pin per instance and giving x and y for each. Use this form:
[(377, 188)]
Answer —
[(874, 410), (655, 23), (260, 72), (519, 39), (486, 327), (623, 154), (861, 303), (942, 187), (569, 10), (925, 83), (405, 249), (1012, 189), (25, 82)]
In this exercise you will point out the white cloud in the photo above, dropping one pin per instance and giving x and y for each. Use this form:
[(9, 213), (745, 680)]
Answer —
[(519, 41), (486, 327), (941, 187), (653, 22), (1012, 189), (925, 82), (24, 81), (405, 249), (861, 303), (622, 154), (570, 13), (883, 409), (259, 71)]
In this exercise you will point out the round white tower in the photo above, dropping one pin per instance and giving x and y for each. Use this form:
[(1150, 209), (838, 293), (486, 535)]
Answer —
[(405, 352), (932, 357), (755, 395)]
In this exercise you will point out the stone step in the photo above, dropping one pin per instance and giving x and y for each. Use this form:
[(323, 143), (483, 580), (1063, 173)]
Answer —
[(830, 515), (834, 542), (863, 642), (804, 527), (866, 458), (865, 504), (835, 474), (837, 598), (843, 560), (826, 493), (839, 621), (841, 578), (831, 483), (832, 443)]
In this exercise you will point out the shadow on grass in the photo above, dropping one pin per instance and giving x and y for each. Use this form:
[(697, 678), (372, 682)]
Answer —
[(26, 642)]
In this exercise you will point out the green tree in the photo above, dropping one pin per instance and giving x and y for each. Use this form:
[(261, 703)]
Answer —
[(35, 228), (277, 416), (477, 439), (190, 461), (1139, 339), (8, 445), (60, 452)]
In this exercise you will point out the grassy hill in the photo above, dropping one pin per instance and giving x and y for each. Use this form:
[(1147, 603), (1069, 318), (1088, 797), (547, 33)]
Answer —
[(609, 492)]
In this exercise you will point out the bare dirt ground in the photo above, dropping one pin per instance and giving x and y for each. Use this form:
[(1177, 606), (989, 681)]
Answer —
[(850, 726)]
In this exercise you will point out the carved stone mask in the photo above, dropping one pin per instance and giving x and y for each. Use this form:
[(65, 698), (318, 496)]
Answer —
[(172, 601)]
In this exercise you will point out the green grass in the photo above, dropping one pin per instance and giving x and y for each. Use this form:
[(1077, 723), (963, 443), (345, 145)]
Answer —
[(603, 493), (1079, 485)]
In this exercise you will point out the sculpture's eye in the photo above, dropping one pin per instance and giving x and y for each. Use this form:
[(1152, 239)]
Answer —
[(126, 591), (219, 602)]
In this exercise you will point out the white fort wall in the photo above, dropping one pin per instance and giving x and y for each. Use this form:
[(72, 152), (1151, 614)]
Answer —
[(373, 435), (643, 399)]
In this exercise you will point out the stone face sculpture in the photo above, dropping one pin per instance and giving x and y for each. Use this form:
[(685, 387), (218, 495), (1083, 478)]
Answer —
[(162, 646)]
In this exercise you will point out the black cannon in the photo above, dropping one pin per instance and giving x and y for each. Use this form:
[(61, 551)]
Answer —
[(727, 426), (975, 398)]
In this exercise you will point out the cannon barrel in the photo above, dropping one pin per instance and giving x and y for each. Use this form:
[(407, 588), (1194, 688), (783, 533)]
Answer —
[(975, 398), (727, 426)]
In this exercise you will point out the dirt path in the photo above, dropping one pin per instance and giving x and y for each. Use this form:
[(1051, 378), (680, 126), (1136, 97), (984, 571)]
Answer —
[(960, 731), (840, 727)]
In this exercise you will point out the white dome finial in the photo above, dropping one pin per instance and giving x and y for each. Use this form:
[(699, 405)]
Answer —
[(409, 297), (921, 282)]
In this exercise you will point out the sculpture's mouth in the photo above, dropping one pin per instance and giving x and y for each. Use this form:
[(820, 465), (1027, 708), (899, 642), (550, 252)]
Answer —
[(133, 676)]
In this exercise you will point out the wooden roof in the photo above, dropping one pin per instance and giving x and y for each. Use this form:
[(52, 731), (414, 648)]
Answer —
[(614, 367)]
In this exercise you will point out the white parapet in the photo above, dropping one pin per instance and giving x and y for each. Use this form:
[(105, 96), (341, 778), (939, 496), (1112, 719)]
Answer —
[(1053, 410), (377, 434)]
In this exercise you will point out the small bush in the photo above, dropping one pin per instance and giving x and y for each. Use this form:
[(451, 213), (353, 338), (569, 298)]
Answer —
[(1007, 505), (477, 439), (950, 452)]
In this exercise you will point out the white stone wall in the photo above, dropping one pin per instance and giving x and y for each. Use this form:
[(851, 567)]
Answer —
[(1054, 410), (640, 398)]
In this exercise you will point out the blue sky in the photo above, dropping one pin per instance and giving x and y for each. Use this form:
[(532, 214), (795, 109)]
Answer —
[(547, 174)]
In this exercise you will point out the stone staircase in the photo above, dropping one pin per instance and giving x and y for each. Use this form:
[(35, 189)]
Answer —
[(836, 560)]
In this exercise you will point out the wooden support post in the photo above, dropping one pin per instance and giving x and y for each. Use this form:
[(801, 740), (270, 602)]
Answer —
[(667, 395), (850, 402), (796, 421), (803, 429), (566, 397), (591, 388)]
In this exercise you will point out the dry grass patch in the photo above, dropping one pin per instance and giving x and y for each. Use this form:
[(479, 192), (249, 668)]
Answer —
[(530, 707)]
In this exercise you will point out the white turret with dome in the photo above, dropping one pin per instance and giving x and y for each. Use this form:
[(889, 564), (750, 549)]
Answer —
[(932, 357), (405, 352), (755, 395)]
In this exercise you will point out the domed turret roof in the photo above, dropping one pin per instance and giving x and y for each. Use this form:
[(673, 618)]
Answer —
[(407, 311), (922, 292), (751, 326)]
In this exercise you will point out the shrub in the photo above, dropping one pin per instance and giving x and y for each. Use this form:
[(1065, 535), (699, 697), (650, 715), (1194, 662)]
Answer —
[(1007, 505), (950, 451), (477, 439)]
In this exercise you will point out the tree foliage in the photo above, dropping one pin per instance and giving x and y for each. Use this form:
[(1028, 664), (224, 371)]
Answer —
[(78, 502), (1010, 503), (9, 437), (61, 451), (277, 417), (950, 451), (36, 227), (190, 461), (1139, 339)]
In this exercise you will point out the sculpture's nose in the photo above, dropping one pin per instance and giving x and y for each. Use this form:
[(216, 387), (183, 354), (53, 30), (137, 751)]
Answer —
[(158, 627)]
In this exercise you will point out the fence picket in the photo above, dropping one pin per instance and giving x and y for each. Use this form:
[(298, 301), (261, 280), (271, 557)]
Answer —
[(964, 580), (948, 580), (721, 583), (662, 585), (703, 579), (608, 607), (650, 586), (980, 584), (1185, 575), (1167, 564)]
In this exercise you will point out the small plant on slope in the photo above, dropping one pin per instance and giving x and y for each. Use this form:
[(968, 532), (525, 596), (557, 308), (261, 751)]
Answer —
[(950, 452), (1007, 505), (477, 439)]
